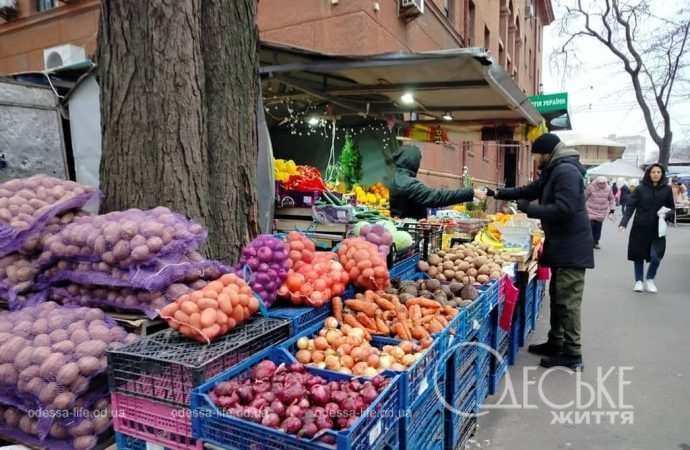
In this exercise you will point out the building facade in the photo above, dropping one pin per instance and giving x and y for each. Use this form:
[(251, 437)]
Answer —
[(511, 30)]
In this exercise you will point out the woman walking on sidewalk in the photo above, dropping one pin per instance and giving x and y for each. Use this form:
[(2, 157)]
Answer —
[(644, 243), (600, 203)]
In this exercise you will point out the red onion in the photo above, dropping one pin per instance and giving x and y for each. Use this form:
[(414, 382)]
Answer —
[(291, 425), (338, 396), (323, 422), (327, 439), (379, 382), (224, 388), (355, 385), (333, 386), (343, 422), (294, 411), (292, 392), (314, 380), (271, 420), (297, 367), (246, 394), (332, 409), (263, 370), (304, 403), (252, 414), (320, 394), (259, 403), (268, 396), (351, 421), (308, 430), (278, 408), (261, 386), (369, 394)]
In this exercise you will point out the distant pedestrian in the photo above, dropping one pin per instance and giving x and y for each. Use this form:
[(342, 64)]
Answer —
[(560, 195), (624, 196), (614, 191), (600, 203), (644, 243)]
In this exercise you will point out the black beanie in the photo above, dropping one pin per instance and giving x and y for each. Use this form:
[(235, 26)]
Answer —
[(545, 143)]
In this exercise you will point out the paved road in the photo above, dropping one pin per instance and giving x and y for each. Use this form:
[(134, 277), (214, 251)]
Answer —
[(648, 333)]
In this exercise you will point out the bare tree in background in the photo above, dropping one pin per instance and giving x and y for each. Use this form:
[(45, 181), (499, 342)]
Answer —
[(652, 51), (179, 89)]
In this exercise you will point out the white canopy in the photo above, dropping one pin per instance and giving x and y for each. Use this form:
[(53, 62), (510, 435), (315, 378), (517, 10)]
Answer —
[(578, 139), (616, 169)]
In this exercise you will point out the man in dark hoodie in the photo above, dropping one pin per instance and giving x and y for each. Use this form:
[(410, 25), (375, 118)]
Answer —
[(410, 198), (568, 248)]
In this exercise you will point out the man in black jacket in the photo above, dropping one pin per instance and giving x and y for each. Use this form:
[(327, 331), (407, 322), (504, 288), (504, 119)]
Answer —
[(410, 198), (568, 248)]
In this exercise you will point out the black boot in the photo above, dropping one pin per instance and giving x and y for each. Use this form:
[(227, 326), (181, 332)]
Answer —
[(545, 349), (572, 362)]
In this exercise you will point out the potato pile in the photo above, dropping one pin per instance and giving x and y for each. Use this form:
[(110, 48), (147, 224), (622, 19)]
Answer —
[(347, 350), (124, 239), (453, 294), (36, 242), (466, 263), (122, 299), (83, 435), (26, 203), (50, 353)]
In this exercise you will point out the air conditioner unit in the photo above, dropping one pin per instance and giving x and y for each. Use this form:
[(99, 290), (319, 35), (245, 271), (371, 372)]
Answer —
[(8, 9), (411, 8), (62, 55)]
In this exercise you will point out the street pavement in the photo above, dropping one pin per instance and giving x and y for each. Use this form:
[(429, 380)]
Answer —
[(641, 341)]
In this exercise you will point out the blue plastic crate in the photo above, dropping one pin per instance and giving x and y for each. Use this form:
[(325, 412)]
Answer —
[(421, 376), (422, 427), (463, 362), (458, 428), (482, 393), (302, 317), (405, 269), (468, 429), (491, 291), (124, 442), (212, 425), (516, 340), (392, 439), (497, 376), (475, 315)]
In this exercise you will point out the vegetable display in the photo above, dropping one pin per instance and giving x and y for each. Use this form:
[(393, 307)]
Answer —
[(384, 314), (315, 283), (68, 433), (264, 262), (348, 350), (466, 263), (361, 259), (378, 235), (27, 204), (350, 163), (293, 400), (49, 353), (206, 314), (124, 239), (454, 294)]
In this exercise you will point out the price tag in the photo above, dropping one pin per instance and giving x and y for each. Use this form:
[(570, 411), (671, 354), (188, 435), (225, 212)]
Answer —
[(476, 325), (423, 386), (375, 433), (307, 200), (150, 446)]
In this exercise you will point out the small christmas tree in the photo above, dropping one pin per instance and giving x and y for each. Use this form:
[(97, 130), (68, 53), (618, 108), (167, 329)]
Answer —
[(350, 163)]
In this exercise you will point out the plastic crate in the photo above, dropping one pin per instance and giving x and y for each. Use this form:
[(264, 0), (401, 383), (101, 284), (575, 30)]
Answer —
[(516, 340), (420, 377), (213, 426), (302, 317), (405, 269), (468, 429), (124, 442), (155, 422), (491, 291), (458, 426), (427, 237), (475, 314), (497, 376), (166, 366), (392, 439), (539, 299), (422, 427), (463, 361)]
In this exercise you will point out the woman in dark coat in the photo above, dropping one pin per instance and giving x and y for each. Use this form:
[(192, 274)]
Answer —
[(644, 243)]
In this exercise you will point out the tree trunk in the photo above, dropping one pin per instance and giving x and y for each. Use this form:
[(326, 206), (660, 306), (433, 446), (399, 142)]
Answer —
[(177, 82)]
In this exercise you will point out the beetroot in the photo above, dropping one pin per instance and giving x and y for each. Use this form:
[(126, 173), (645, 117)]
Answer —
[(263, 370), (291, 425)]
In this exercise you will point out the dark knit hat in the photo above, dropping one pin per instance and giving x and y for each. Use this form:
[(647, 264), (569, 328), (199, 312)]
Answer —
[(545, 143)]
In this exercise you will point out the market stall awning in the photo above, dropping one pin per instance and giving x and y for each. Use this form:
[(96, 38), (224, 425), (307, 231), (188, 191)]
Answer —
[(460, 84), (616, 169)]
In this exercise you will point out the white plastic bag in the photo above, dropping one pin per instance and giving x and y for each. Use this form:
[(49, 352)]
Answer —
[(663, 227)]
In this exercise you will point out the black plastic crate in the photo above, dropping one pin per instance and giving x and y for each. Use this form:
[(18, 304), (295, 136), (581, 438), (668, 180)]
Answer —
[(166, 366), (427, 238)]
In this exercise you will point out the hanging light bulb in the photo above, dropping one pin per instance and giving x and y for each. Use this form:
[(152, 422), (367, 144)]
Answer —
[(447, 116), (407, 98)]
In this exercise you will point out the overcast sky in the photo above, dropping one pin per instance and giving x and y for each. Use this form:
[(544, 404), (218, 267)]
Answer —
[(601, 97)]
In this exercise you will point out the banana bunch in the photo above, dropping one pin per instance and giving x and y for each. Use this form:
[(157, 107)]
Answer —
[(484, 237)]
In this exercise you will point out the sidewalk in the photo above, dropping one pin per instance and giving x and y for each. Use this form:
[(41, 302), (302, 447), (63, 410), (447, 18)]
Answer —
[(648, 334)]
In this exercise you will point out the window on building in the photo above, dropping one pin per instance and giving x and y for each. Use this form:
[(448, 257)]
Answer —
[(471, 17), (487, 38), (44, 5)]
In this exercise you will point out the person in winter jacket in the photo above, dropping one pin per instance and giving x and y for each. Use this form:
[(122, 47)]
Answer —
[(624, 196), (614, 191), (410, 198), (568, 248), (600, 203), (644, 243)]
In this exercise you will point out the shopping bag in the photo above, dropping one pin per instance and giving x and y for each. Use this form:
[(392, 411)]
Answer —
[(511, 299), (663, 227)]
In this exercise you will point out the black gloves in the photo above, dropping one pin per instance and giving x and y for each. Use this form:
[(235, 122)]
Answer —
[(523, 205), (490, 192)]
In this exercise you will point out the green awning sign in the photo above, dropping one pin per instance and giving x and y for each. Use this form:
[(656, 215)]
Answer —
[(550, 102)]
